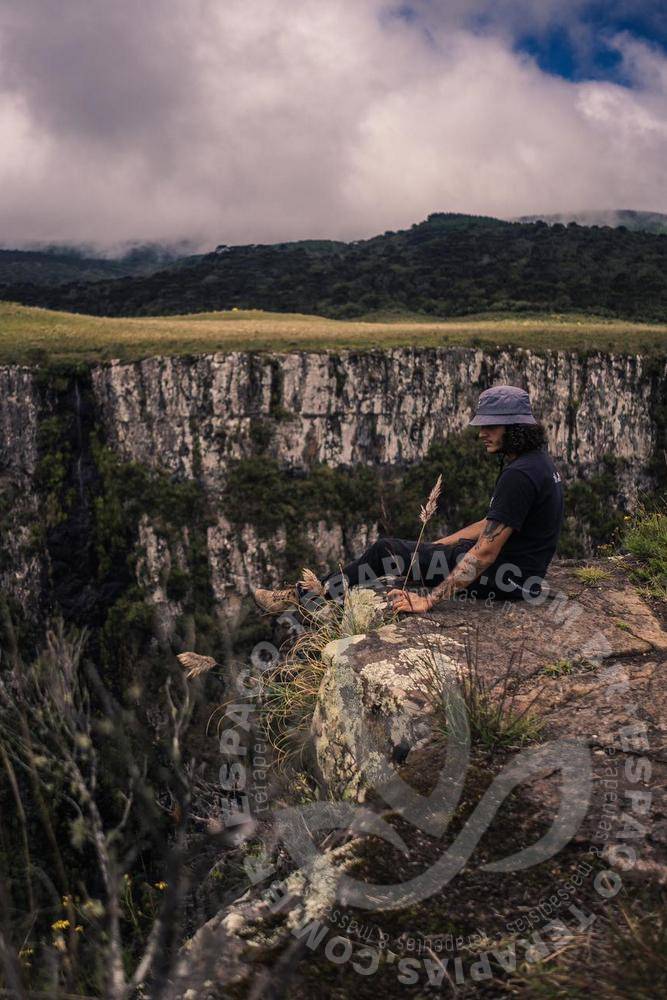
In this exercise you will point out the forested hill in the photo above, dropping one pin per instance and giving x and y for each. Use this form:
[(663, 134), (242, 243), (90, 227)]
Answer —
[(648, 222), (60, 265), (446, 266)]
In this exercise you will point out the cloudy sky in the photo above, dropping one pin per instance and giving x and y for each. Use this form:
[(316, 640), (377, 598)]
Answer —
[(242, 121)]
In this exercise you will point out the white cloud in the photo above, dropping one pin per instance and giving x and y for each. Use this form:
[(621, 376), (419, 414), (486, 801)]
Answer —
[(260, 120)]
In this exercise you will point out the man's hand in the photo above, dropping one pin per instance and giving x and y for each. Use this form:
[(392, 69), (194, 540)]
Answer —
[(401, 600)]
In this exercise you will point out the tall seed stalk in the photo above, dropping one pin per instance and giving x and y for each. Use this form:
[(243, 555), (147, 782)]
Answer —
[(425, 515)]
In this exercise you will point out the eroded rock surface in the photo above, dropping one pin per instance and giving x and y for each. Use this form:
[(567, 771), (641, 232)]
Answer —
[(594, 658), (372, 707), (569, 647)]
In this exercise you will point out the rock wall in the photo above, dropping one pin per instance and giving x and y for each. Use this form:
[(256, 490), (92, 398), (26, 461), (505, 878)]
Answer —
[(20, 564), (190, 417), (377, 407)]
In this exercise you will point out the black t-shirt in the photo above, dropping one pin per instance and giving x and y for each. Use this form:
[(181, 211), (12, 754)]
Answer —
[(528, 496)]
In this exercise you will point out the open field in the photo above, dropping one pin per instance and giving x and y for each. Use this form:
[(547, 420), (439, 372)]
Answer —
[(30, 335)]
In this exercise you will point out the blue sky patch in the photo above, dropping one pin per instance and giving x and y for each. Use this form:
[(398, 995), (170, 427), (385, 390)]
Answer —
[(580, 50)]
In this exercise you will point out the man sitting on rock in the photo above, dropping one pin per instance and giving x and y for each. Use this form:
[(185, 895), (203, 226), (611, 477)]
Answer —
[(504, 556)]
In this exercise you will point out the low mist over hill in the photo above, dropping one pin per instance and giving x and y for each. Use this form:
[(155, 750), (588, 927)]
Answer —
[(646, 222), (59, 264), (448, 265)]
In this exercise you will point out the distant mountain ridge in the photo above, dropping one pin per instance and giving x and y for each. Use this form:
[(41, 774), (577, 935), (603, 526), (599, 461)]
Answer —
[(448, 265), (645, 222)]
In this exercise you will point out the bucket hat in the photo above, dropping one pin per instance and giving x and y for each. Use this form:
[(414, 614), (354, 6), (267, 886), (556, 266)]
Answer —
[(503, 404)]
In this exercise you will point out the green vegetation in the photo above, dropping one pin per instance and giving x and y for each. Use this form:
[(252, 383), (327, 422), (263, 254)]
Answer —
[(90, 507), (59, 265), (42, 337), (591, 517), (128, 491), (260, 492), (560, 668), (591, 576), (55, 455), (91, 861), (563, 667), (646, 539), (647, 222), (495, 718), (448, 265), (290, 689)]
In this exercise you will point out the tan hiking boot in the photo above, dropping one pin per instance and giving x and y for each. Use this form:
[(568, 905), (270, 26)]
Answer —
[(275, 601)]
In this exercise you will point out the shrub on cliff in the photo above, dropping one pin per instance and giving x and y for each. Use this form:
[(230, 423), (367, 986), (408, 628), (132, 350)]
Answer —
[(646, 539)]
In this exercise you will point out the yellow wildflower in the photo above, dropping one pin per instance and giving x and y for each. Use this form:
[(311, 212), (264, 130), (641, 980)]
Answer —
[(60, 925), (161, 885)]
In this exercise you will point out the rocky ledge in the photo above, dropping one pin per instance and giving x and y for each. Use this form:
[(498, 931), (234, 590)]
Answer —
[(374, 707), (587, 664)]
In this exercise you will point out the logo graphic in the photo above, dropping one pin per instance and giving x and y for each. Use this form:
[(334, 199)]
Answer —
[(432, 814)]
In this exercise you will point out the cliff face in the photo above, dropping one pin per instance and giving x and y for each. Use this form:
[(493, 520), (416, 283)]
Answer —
[(20, 565), (192, 418), (378, 407)]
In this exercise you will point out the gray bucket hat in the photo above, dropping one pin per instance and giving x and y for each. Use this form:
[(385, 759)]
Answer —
[(503, 404)]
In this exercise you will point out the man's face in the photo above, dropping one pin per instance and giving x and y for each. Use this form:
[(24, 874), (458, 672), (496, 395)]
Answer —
[(492, 437)]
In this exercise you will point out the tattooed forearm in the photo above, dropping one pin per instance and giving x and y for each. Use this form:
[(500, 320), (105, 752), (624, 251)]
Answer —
[(474, 562), (464, 573)]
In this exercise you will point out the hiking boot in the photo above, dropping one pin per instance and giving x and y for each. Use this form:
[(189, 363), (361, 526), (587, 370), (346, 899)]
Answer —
[(304, 592), (275, 601)]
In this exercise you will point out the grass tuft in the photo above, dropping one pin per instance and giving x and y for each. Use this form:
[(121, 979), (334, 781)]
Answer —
[(495, 720), (560, 668), (591, 575), (625, 956)]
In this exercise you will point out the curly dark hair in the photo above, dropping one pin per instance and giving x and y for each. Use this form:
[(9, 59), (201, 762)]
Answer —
[(519, 438)]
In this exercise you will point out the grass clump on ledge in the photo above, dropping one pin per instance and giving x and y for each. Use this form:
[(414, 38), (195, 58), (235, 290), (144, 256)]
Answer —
[(30, 335), (564, 667), (289, 690), (591, 576), (495, 720), (646, 539)]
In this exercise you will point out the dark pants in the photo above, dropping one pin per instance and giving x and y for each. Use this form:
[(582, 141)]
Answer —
[(391, 557)]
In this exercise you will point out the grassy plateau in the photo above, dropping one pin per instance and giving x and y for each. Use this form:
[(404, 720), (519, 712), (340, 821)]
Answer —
[(31, 335)]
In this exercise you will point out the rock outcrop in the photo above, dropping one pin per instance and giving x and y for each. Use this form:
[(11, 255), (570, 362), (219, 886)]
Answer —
[(375, 703), (589, 661)]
